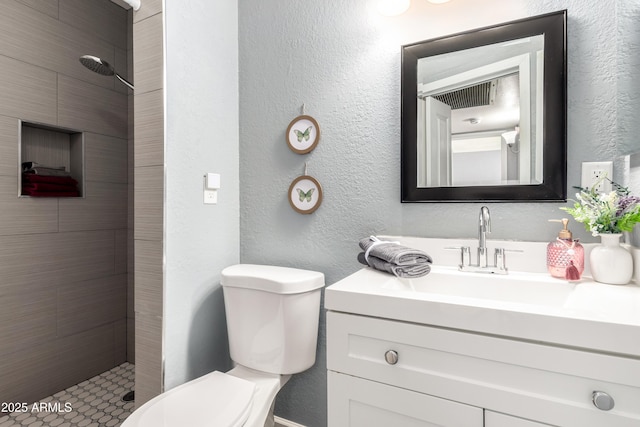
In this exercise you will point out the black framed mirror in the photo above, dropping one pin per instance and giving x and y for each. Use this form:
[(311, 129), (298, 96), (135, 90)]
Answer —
[(484, 114)]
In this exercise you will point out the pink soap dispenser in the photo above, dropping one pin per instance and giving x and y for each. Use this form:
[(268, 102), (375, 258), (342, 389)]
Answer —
[(565, 256)]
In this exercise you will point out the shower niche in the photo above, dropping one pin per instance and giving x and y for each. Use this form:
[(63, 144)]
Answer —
[(51, 161)]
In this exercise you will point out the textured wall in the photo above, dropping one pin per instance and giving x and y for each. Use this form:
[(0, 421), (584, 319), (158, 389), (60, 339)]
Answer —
[(202, 136), (342, 61), (63, 262)]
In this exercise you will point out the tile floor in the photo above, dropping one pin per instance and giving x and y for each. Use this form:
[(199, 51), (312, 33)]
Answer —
[(96, 402)]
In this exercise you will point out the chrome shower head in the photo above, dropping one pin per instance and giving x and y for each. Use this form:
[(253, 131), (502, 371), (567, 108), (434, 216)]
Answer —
[(102, 67)]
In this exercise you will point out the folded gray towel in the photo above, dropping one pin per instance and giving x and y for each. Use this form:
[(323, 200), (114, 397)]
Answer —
[(394, 258)]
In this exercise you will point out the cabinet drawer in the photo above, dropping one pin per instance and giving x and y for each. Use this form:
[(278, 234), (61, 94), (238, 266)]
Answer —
[(354, 402), (534, 381)]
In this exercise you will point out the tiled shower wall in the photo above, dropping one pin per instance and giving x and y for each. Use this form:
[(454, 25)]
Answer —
[(148, 65), (63, 262)]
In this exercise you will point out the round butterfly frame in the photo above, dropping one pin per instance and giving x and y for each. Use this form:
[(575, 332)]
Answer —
[(305, 194), (303, 134)]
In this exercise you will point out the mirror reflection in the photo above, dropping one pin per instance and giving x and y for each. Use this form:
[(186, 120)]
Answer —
[(480, 107)]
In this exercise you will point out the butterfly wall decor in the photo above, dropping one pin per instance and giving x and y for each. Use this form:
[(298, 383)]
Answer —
[(303, 134), (305, 194)]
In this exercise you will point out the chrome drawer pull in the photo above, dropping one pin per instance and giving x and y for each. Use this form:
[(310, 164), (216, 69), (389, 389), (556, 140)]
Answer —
[(602, 400), (391, 357)]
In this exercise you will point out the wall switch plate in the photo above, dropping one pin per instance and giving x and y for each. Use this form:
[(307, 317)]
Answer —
[(210, 197), (592, 174)]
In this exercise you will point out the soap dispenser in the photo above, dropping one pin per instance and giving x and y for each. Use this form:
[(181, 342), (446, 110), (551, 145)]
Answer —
[(565, 256)]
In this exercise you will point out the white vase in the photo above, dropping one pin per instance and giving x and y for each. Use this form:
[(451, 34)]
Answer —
[(611, 263)]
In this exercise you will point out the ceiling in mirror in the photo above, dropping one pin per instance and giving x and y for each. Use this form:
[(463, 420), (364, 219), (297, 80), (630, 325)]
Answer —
[(484, 114)]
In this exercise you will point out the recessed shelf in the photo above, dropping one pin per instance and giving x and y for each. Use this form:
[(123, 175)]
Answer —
[(51, 147)]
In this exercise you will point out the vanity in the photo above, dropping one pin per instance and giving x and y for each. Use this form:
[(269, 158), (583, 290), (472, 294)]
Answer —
[(467, 349)]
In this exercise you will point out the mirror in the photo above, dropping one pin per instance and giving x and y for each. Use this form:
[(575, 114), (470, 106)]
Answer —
[(484, 114)]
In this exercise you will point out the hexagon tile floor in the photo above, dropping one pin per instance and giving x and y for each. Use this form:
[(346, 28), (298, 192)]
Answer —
[(96, 402)]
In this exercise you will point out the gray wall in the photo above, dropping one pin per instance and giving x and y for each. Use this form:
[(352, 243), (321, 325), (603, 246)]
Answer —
[(342, 60), (63, 262)]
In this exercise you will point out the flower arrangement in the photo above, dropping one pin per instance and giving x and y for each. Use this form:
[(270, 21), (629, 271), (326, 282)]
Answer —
[(601, 213)]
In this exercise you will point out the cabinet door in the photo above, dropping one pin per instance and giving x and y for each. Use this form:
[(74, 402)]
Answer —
[(356, 402), (495, 419)]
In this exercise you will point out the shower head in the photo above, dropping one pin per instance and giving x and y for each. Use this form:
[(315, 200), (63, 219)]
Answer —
[(102, 67)]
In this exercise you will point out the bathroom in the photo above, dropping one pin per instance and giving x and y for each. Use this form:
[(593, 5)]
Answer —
[(235, 74)]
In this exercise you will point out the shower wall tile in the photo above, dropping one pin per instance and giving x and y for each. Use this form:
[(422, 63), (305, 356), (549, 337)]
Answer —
[(102, 18), (72, 257), (83, 355), (149, 197), (148, 60), (103, 207), (50, 7), (28, 92), (149, 129), (147, 8), (9, 128), (28, 375), (149, 277), (148, 357), (105, 158), (122, 249), (24, 215), (91, 303), (28, 316), (78, 109), (45, 42), (120, 341), (121, 66), (131, 341)]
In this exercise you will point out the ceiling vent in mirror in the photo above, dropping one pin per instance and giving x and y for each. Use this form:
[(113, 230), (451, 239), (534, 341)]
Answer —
[(473, 96)]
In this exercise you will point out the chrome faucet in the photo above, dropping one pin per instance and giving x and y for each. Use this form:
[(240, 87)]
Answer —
[(483, 266), (484, 227)]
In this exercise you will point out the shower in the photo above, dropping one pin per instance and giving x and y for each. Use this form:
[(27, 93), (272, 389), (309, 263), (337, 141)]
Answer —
[(101, 66)]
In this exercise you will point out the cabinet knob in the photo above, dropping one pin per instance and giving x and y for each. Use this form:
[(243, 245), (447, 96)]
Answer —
[(602, 400), (391, 356)]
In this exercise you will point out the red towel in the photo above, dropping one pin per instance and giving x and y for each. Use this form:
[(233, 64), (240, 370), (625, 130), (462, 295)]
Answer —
[(35, 193), (40, 186), (63, 180)]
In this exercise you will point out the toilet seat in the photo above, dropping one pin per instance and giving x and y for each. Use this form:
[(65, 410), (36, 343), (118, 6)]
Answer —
[(216, 399)]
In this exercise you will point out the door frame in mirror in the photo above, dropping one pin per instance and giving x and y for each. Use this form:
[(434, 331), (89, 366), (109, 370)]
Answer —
[(554, 186)]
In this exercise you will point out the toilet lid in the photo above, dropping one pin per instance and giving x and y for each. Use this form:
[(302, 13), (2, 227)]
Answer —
[(216, 399)]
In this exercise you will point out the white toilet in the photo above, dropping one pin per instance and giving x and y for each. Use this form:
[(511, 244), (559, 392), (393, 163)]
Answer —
[(272, 322)]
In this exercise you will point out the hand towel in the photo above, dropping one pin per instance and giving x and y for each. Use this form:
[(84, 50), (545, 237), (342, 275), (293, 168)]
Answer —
[(394, 258)]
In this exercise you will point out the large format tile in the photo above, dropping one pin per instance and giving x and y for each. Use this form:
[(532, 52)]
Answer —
[(28, 315), (9, 145), (148, 277), (50, 7), (103, 207), (28, 375), (91, 303), (28, 92), (149, 203), (91, 108), (148, 60), (147, 8), (103, 18), (56, 257), (105, 158), (149, 129), (148, 357), (25, 215)]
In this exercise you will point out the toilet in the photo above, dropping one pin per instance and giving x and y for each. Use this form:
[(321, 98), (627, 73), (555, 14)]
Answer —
[(272, 322)]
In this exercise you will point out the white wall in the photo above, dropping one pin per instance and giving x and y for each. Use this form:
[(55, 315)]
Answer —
[(201, 136), (342, 60)]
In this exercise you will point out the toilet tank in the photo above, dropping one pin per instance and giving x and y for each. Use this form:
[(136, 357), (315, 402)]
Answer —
[(272, 316)]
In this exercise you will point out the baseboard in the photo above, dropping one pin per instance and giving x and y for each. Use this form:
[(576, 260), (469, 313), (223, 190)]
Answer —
[(281, 422)]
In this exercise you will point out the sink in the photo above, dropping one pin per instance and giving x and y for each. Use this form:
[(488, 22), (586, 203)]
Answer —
[(518, 288), (529, 306)]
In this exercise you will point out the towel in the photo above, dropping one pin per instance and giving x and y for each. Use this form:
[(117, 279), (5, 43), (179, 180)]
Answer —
[(394, 258), (61, 180)]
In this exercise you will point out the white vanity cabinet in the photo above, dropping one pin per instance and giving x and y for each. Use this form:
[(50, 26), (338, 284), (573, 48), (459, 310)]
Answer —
[(395, 373)]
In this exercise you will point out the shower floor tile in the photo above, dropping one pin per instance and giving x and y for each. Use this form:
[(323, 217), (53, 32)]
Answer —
[(96, 402)]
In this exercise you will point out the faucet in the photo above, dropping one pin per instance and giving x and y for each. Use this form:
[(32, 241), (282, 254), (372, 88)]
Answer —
[(484, 227), (483, 266)]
